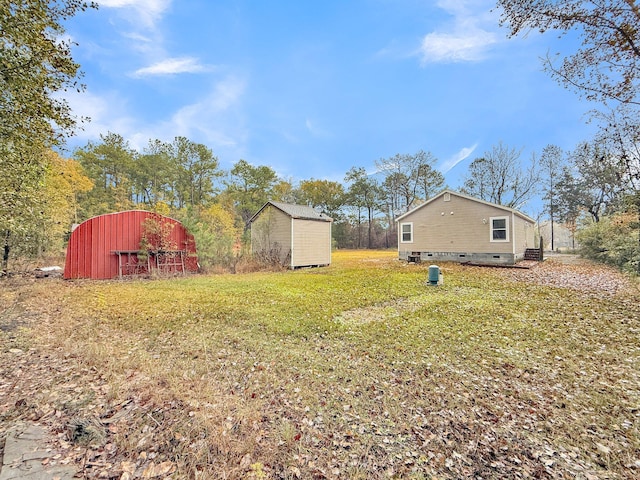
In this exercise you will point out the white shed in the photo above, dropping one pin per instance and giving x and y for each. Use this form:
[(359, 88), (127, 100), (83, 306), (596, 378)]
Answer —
[(297, 235)]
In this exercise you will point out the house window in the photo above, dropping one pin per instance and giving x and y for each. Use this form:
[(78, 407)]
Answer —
[(406, 233), (499, 229)]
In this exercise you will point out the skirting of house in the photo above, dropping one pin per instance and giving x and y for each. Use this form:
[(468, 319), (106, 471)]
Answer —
[(461, 257)]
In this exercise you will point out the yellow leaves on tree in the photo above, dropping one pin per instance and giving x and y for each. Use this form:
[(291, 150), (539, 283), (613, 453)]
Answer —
[(221, 220), (64, 180), (218, 236)]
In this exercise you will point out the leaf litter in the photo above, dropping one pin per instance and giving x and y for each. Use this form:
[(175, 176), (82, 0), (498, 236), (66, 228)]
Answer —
[(532, 392)]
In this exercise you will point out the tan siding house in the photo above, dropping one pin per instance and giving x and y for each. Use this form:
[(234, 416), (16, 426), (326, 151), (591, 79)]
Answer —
[(296, 234), (459, 228)]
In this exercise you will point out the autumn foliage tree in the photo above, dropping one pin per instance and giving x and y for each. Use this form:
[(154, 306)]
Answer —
[(606, 67), (64, 182), (35, 66), (53, 208), (218, 235)]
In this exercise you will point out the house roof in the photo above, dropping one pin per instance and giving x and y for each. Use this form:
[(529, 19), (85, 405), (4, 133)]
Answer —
[(303, 212), (468, 197)]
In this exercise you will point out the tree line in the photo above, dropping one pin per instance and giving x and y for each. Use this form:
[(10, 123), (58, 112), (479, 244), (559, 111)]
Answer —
[(593, 189), (183, 179)]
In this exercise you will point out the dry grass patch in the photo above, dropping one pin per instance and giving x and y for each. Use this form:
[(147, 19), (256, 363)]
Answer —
[(358, 370)]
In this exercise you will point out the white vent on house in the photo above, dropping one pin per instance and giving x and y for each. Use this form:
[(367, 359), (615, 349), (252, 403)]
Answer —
[(447, 197)]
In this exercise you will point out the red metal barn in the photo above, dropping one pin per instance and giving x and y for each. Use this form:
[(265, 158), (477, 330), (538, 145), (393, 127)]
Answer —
[(134, 242)]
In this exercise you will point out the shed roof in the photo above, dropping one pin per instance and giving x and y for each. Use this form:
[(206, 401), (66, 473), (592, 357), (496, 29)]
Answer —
[(468, 197), (303, 212)]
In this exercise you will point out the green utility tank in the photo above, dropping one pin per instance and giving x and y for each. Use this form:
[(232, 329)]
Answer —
[(434, 275)]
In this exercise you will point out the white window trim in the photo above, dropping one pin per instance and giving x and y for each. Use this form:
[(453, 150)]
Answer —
[(506, 224), (402, 232)]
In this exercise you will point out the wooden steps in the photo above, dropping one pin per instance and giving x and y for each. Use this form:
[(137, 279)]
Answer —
[(533, 254)]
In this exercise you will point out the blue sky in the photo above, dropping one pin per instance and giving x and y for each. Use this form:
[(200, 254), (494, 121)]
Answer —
[(314, 88)]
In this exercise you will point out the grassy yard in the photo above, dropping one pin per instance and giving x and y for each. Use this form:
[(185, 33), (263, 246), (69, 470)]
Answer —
[(356, 371)]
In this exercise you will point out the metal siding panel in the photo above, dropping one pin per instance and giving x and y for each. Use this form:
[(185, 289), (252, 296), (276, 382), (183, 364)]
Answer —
[(97, 265), (113, 232), (524, 234), (72, 264), (514, 234), (293, 258), (92, 241), (134, 236), (85, 248), (282, 231), (128, 236), (102, 253), (110, 235), (82, 250), (101, 263)]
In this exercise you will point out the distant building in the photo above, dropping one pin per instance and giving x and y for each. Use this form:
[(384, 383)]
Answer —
[(563, 239)]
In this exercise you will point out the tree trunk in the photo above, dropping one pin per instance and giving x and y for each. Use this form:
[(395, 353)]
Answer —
[(638, 260), (552, 239), (638, 210), (5, 256), (369, 231)]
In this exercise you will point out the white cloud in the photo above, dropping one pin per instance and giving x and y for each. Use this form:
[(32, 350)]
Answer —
[(104, 112), (214, 120), (172, 66), (458, 7), (147, 38), (466, 46), (138, 37), (148, 11), (144, 36), (315, 130), (464, 39), (457, 158)]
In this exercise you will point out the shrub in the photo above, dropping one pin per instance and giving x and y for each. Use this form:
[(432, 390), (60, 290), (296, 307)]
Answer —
[(613, 241), (218, 238)]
